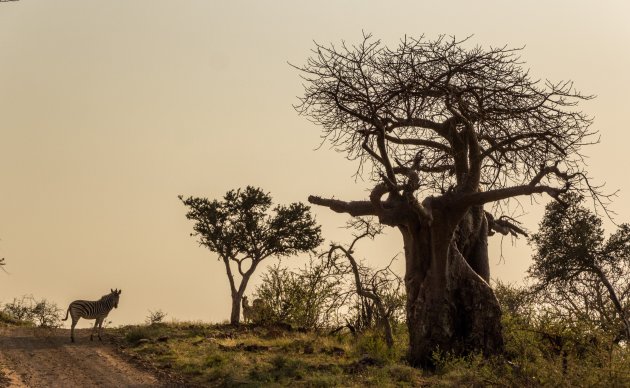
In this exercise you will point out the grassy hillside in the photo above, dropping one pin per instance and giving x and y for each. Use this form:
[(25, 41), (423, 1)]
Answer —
[(221, 355)]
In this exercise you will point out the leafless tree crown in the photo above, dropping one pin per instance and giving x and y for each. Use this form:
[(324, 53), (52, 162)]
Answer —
[(432, 116)]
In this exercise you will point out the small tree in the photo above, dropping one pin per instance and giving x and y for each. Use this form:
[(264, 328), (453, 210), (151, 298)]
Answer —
[(243, 233), (581, 274), (379, 292)]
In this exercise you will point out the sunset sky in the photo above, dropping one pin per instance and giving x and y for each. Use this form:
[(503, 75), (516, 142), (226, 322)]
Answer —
[(109, 110)]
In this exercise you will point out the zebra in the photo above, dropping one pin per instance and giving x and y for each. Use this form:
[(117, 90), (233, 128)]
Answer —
[(98, 310)]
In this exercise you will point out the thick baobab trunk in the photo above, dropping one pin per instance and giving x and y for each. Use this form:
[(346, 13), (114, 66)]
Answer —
[(450, 307)]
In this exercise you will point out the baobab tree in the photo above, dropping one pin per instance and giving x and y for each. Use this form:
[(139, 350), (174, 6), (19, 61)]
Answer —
[(243, 233), (445, 131)]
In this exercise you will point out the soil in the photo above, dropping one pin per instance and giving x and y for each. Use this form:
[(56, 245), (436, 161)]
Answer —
[(35, 357)]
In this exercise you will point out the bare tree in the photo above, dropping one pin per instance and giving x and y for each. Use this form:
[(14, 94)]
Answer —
[(369, 285), (241, 232), (442, 130)]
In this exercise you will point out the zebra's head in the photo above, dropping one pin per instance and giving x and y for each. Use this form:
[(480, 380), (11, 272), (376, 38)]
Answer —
[(115, 295)]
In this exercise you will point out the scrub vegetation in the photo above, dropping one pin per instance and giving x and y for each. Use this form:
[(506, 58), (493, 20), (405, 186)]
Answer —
[(540, 351), (567, 330)]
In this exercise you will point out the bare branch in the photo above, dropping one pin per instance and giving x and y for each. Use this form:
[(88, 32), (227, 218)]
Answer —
[(353, 208)]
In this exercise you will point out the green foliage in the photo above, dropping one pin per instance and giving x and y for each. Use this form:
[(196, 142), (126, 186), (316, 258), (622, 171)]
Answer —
[(228, 355), (241, 224), (540, 351), (307, 298), (243, 231), (515, 301), (568, 241), (371, 344), (579, 274), (7, 319), (133, 334), (280, 368), (538, 356), (42, 313)]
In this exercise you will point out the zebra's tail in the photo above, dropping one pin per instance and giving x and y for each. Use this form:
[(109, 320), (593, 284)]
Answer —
[(67, 312)]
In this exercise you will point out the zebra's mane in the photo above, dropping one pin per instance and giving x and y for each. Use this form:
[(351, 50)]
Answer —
[(104, 297)]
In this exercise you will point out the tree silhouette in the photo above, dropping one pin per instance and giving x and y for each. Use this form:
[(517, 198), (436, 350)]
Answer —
[(442, 130), (371, 286), (240, 230), (575, 265)]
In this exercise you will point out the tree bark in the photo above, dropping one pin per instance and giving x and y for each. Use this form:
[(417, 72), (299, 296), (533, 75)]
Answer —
[(235, 315), (613, 296), (450, 306), (361, 291), (237, 297)]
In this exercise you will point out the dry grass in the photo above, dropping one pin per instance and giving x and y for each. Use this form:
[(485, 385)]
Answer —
[(221, 355)]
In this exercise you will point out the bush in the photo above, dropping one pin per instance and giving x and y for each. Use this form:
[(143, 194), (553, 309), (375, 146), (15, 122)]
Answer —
[(155, 317), (307, 298), (371, 344), (42, 313), (9, 320)]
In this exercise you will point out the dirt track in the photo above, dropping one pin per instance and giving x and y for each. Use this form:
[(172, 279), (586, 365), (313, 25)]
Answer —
[(46, 358)]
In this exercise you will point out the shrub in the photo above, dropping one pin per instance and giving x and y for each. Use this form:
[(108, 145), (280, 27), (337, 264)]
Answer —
[(9, 320), (42, 313), (155, 317), (307, 298), (46, 314), (371, 344)]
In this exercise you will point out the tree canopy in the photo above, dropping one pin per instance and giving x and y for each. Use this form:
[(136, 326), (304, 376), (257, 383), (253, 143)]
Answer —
[(578, 268), (432, 115), (242, 230)]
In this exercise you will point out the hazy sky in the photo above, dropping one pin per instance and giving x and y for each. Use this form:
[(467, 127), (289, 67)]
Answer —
[(110, 109)]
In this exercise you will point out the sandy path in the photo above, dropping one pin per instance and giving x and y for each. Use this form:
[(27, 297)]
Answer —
[(45, 358)]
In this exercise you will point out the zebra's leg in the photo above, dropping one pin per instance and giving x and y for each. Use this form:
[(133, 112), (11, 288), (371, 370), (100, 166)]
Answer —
[(100, 328), (74, 323), (93, 330)]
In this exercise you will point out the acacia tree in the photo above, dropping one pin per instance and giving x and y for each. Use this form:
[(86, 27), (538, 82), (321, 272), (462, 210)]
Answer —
[(582, 274), (443, 130), (241, 230)]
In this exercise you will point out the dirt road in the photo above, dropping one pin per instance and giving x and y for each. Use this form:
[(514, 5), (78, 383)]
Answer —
[(32, 357)]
